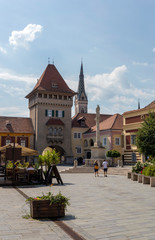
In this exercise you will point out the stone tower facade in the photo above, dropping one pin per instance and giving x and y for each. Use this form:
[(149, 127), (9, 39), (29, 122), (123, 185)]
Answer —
[(50, 104), (81, 101)]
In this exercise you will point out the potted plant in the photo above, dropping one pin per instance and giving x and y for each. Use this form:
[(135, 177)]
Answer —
[(48, 206)]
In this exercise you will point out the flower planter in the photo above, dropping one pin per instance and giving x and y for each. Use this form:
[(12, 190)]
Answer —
[(43, 209)]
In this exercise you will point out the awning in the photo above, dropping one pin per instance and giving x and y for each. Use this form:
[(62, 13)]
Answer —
[(25, 151)]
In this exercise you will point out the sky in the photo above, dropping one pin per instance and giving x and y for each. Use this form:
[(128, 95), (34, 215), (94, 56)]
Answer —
[(114, 39)]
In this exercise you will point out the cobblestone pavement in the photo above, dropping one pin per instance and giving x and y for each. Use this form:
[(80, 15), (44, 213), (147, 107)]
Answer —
[(112, 208)]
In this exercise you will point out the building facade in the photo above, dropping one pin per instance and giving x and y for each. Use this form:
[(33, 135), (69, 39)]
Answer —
[(132, 121), (84, 127), (50, 104)]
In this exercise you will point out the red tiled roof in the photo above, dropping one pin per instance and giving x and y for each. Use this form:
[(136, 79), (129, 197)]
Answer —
[(114, 122), (51, 81), (148, 107), (89, 119), (16, 125), (54, 121)]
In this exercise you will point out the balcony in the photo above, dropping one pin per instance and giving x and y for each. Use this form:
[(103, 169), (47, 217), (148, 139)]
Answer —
[(55, 138)]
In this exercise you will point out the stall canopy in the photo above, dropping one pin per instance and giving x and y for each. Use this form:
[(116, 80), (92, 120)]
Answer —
[(25, 151)]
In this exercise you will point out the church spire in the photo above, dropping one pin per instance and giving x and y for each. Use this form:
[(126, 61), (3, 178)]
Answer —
[(81, 87), (81, 101)]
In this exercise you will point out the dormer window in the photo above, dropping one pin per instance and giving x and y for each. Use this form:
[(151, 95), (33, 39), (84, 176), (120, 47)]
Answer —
[(54, 85)]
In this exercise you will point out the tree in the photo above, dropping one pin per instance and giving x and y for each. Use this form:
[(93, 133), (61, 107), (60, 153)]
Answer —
[(145, 140), (113, 154), (48, 158)]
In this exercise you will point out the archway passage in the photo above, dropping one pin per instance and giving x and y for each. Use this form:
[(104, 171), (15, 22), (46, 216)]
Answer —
[(60, 150)]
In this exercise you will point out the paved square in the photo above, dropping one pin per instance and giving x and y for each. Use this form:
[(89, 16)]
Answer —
[(112, 208)]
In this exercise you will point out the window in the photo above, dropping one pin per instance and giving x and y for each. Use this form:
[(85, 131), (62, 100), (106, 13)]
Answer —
[(91, 142), (45, 95), (133, 139), (117, 141), (65, 97), (39, 95), (60, 113), (85, 143), (104, 141), (50, 131), (50, 95), (55, 131), (60, 131), (77, 135), (54, 85), (8, 141), (60, 96), (49, 113), (23, 142), (78, 149), (82, 123), (55, 96)]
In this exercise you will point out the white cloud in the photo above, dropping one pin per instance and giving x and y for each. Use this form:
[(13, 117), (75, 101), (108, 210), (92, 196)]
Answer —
[(23, 37), (14, 111), (113, 91), (2, 50), (153, 50), (6, 74), (144, 64)]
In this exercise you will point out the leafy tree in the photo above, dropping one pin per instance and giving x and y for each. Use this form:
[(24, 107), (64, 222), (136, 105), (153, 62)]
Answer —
[(145, 140), (48, 158), (113, 154)]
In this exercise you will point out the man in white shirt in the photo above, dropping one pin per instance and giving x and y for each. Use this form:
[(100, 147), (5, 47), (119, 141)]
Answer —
[(105, 167)]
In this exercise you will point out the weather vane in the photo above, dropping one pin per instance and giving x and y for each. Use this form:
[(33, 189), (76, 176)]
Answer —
[(48, 60)]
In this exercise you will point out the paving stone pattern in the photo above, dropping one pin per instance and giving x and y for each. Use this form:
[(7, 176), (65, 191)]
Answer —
[(112, 208)]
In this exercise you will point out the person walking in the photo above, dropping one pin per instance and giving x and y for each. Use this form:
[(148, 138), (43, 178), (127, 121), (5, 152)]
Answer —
[(96, 167), (105, 167)]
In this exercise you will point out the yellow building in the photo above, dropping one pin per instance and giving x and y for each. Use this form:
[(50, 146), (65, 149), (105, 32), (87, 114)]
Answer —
[(132, 121)]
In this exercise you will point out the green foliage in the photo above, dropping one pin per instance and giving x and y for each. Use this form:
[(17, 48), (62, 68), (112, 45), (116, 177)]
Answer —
[(9, 164), (58, 199), (113, 154), (18, 164), (149, 171), (49, 158), (145, 139), (138, 167)]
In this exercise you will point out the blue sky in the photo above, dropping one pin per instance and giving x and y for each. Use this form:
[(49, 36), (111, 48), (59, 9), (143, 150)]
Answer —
[(115, 39)]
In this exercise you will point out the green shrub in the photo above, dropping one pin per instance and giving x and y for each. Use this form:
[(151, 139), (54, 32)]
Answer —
[(113, 154), (138, 167), (149, 171), (58, 199)]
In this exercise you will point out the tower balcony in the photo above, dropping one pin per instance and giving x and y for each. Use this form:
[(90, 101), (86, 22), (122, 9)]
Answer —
[(55, 139)]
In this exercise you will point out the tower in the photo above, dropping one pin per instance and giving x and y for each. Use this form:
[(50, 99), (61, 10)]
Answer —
[(81, 101), (50, 104)]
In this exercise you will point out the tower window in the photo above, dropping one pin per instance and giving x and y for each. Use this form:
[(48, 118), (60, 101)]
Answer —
[(60, 113), (54, 85), (78, 149)]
